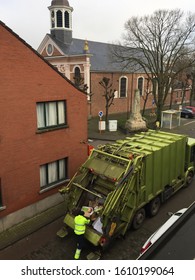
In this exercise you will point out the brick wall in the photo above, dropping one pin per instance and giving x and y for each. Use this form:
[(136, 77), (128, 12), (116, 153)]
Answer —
[(26, 79), (120, 105)]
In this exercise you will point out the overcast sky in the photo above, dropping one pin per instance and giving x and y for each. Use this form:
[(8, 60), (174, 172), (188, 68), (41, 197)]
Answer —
[(96, 20)]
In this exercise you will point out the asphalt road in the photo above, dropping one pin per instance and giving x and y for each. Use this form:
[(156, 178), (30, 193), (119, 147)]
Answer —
[(46, 245)]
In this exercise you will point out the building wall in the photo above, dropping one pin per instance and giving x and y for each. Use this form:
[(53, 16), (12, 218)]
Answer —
[(120, 104), (25, 80), (67, 64)]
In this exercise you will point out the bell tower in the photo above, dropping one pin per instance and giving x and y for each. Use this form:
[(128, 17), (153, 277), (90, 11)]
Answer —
[(61, 20)]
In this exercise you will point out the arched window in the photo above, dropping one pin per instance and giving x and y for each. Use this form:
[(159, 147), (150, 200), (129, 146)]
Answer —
[(59, 18), (77, 76), (66, 19), (52, 19), (123, 87), (140, 85)]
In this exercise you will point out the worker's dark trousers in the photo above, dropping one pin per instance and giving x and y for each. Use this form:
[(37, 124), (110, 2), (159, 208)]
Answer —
[(80, 241), (80, 245)]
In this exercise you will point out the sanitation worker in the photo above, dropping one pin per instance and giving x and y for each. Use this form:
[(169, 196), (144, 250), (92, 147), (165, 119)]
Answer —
[(79, 229)]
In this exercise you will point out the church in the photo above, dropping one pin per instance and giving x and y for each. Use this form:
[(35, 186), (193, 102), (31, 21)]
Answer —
[(86, 63), (89, 61)]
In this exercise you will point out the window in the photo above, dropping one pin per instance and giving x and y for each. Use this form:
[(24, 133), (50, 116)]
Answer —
[(51, 114), (123, 87), (52, 19), (77, 76), (59, 19), (53, 173), (66, 19), (49, 49), (140, 84), (155, 86)]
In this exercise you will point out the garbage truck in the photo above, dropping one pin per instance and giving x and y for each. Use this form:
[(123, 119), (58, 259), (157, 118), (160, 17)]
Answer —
[(122, 182)]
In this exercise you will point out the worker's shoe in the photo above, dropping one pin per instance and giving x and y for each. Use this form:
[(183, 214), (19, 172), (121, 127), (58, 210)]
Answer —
[(77, 254)]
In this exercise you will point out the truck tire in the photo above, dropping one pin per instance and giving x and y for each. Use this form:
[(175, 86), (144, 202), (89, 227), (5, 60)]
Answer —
[(189, 178), (139, 218), (154, 206)]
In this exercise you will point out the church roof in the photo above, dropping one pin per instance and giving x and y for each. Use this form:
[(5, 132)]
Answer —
[(100, 55), (60, 3)]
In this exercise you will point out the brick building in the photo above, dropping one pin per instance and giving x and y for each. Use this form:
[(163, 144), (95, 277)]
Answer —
[(91, 61), (43, 130)]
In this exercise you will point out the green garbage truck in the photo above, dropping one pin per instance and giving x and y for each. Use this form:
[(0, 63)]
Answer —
[(122, 182)]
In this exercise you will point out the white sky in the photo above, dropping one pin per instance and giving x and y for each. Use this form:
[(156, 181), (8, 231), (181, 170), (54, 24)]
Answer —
[(96, 20)]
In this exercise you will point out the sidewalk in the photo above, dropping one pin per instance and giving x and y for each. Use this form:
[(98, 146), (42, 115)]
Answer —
[(27, 227), (95, 134)]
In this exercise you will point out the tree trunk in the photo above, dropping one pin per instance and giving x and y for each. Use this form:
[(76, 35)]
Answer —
[(171, 100), (106, 116)]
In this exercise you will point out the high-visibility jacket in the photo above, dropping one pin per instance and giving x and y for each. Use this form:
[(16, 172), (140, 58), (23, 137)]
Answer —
[(80, 223)]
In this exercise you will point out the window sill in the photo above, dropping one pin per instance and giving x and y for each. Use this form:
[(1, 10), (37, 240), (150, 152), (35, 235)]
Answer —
[(53, 186), (47, 129)]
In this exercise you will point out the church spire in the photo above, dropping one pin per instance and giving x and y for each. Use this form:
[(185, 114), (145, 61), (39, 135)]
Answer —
[(61, 20)]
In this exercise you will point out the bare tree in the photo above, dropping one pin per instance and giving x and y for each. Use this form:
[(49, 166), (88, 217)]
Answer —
[(79, 82), (191, 83), (146, 95), (108, 94), (156, 44)]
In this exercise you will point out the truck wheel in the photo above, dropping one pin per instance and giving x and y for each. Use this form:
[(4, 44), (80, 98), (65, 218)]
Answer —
[(154, 206), (139, 218), (189, 178)]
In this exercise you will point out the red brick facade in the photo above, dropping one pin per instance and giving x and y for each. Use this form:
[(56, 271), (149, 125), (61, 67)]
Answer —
[(120, 104), (124, 104), (25, 80)]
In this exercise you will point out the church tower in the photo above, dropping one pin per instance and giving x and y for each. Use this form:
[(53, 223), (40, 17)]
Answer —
[(61, 21)]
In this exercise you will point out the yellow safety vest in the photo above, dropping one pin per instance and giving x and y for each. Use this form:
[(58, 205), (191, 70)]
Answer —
[(80, 223)]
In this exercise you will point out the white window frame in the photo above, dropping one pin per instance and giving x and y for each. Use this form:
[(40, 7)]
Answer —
[(123, 77)]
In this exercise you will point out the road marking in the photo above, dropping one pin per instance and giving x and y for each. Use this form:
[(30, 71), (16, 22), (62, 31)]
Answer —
[(189, 123)]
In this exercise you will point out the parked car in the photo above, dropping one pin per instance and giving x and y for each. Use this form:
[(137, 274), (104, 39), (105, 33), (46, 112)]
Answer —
[(187, 113), (191, 108), (159, 232)]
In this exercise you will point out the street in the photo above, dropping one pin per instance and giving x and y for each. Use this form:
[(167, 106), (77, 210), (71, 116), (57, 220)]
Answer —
[(46, 245)]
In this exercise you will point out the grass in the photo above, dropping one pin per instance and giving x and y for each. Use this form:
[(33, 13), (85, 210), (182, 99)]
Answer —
[(121, 118)]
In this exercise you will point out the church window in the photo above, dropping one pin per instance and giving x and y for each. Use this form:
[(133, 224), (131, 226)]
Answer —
[(77, 76), (123, 87), (66, 19), (49, 49), (59, 18), (140, 84), (52, 19)]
